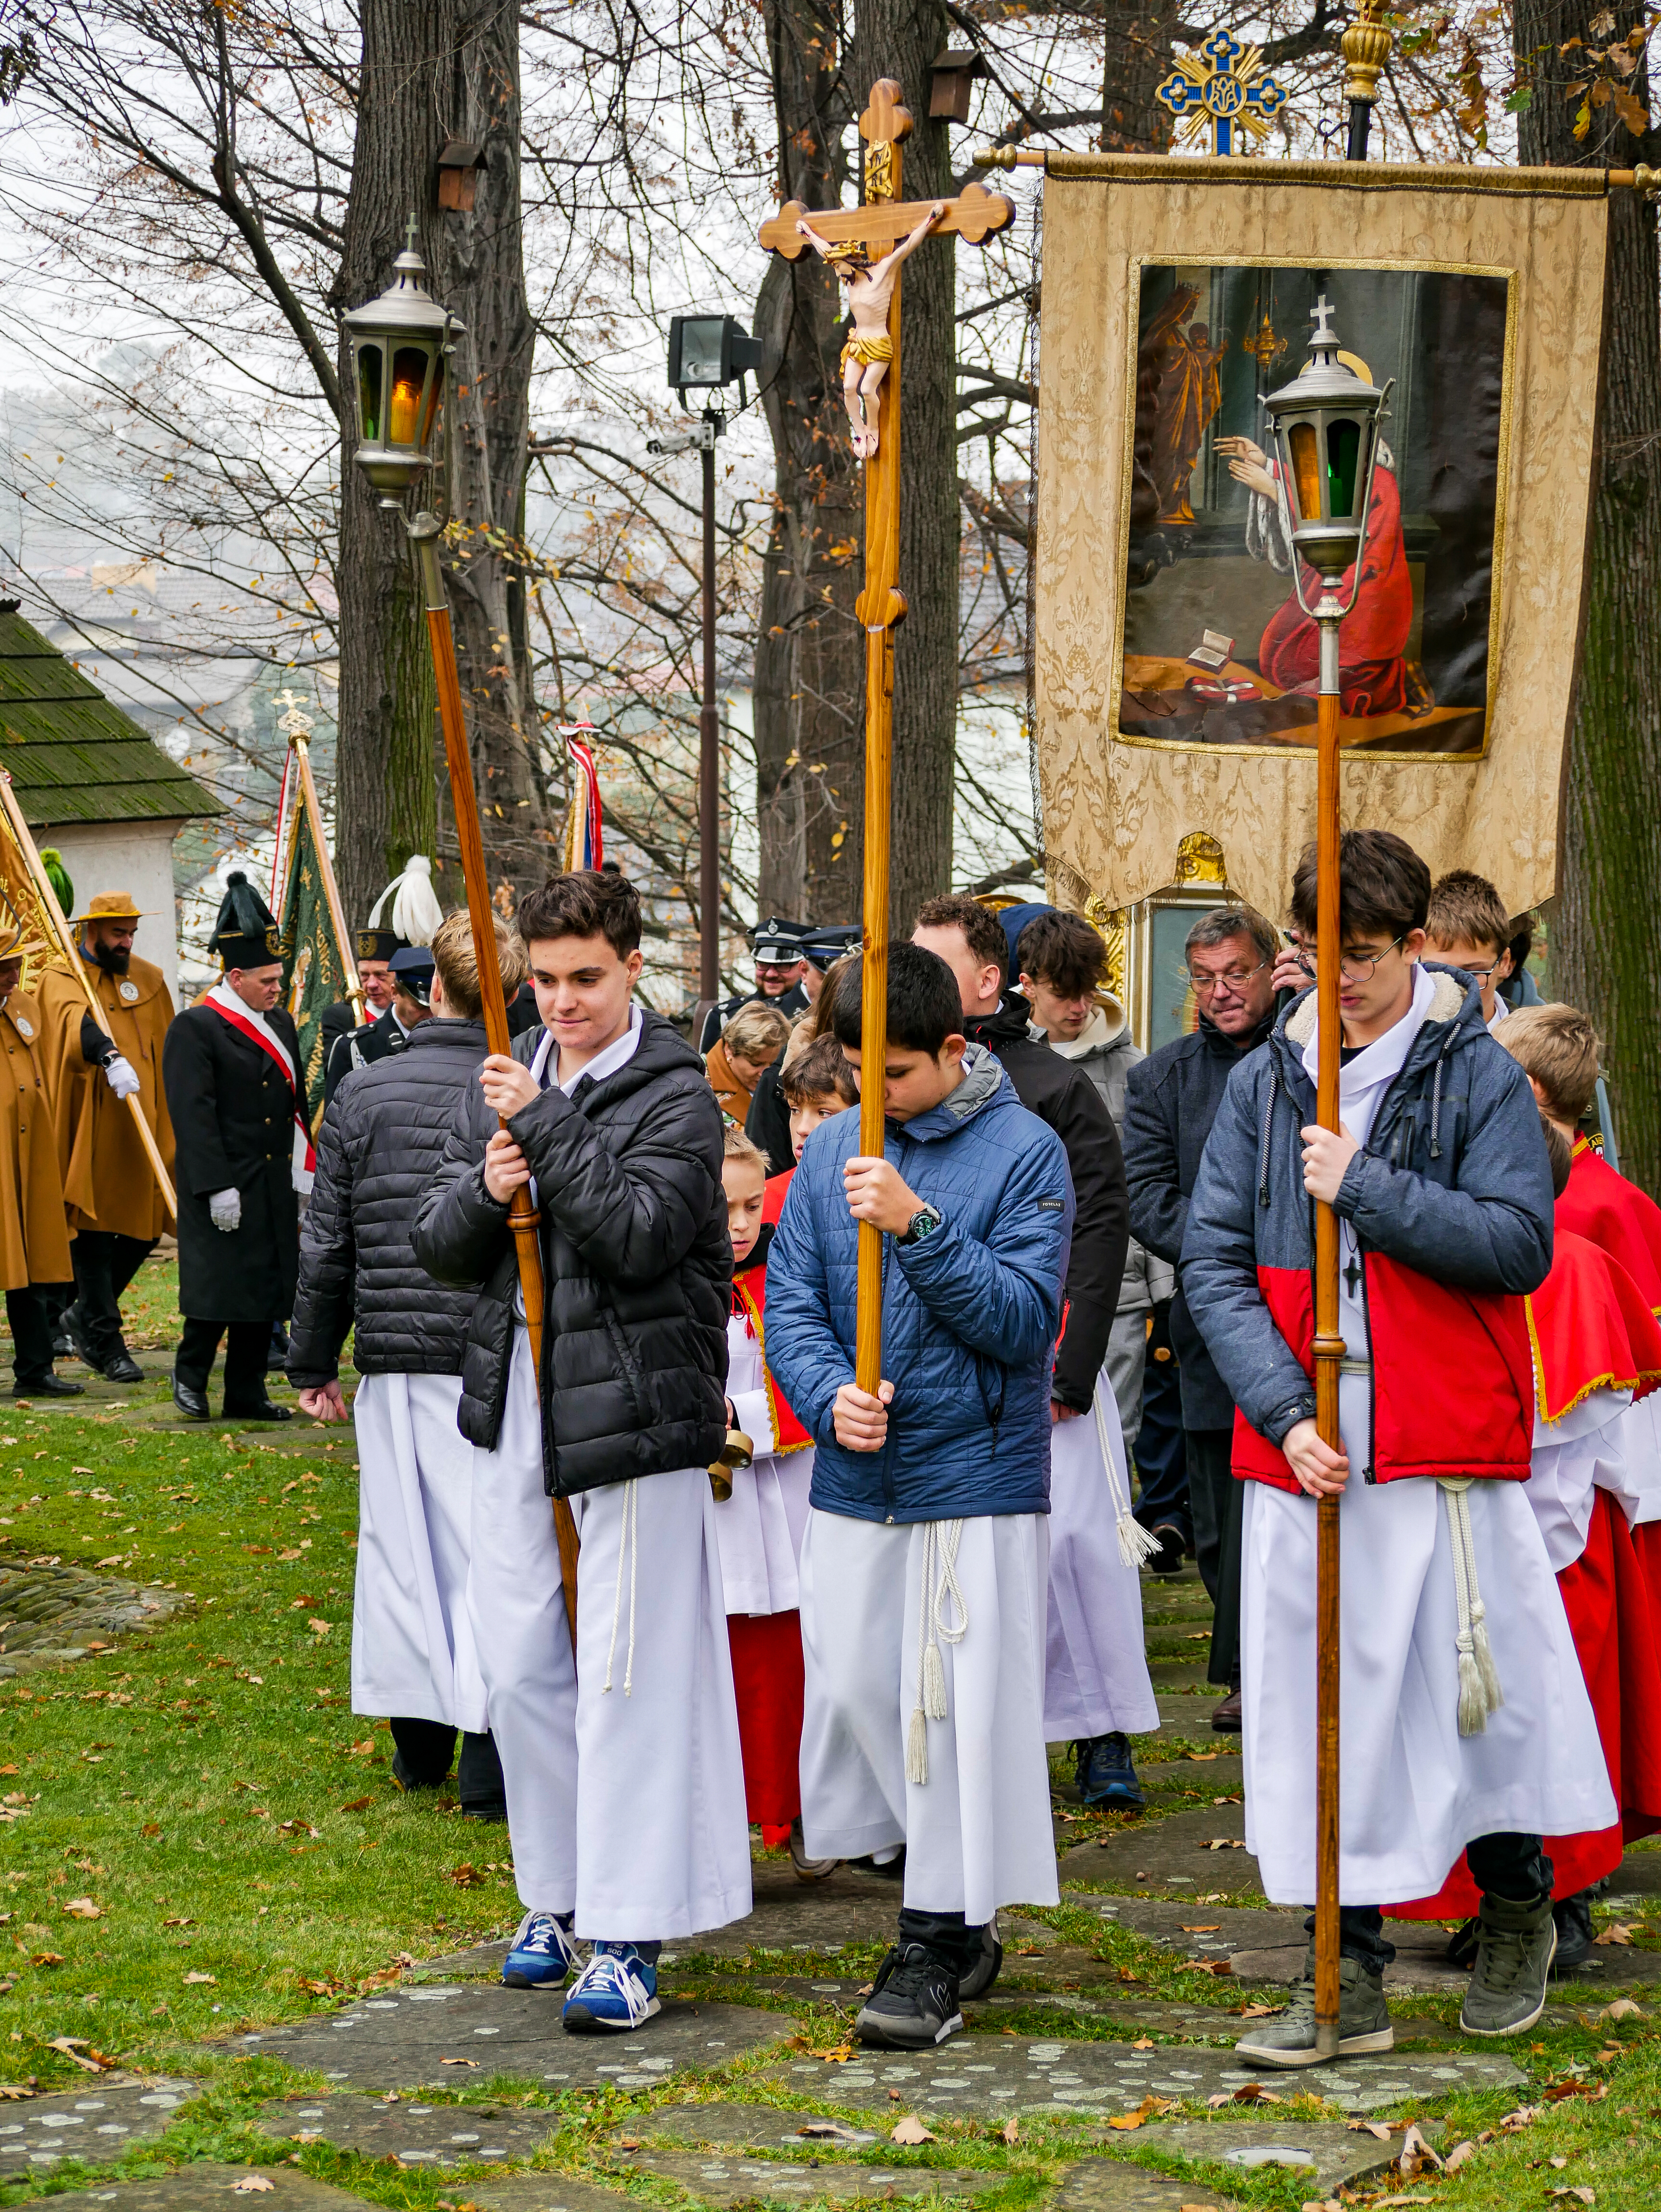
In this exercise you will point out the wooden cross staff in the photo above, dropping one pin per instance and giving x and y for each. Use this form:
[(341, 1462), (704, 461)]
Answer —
[(871, 386)]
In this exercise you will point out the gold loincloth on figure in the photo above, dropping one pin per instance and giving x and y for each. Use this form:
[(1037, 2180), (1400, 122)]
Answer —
[(866, 350)]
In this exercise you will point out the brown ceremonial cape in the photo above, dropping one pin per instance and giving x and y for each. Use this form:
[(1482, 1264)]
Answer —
[(35, 1237), (107, 1180)]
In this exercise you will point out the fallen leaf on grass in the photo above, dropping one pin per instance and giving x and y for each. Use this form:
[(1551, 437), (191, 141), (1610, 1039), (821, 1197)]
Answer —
[(7, 1770), (1460, 2155), (1378, 2201), (251, 2185), (458, 2062), (80, 2052), (1202, 1757), (1011, 2129), (319, 1627), (178, 1920), (151, 1828), (298, 1828), (1415, 2156), (82, 1908), (829, 2130), (466, 1876), (1253, 2092), (194, 1976), (47, 1958), (358, 1805), (1579, 2190), (1614, 1933), (1255, 2012), (362, 1750), (1623, 2008), (1143, 2043), (1219, 1967), (1594, 2092), (1148, 2109), (1224, 1843), (911, 2129), (1521, 2118)]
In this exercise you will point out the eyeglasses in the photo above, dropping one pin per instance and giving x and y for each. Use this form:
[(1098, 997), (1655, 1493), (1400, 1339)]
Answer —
[(1234, 979), (1353, 967)]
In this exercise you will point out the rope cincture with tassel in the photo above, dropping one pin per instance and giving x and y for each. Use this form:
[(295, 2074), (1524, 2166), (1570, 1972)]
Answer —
[(1480, 1694), (1135, 1542), (940, 1540)]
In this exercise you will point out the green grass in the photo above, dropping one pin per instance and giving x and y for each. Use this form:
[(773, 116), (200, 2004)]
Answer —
[(194, 1784)]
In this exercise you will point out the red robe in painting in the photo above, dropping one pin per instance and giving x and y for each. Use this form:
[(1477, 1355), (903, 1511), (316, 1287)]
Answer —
[(1372, 672)]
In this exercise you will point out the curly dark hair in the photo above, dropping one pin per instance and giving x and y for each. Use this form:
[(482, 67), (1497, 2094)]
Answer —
[(589, 902)]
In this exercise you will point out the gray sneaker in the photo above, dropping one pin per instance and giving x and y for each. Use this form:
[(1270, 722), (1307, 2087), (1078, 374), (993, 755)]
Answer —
[(1288, 2040), (1515, 1944)]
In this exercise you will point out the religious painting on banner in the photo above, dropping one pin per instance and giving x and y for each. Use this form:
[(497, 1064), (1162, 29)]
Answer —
[(1217, 650), (1175, 674), (314, 971)]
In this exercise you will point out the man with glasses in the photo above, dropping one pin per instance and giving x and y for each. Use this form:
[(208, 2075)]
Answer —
[(1467, 1731), (1171, 1102)]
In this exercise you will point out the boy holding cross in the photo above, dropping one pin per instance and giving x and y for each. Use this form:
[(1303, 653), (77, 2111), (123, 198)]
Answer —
[(1463, 1728)]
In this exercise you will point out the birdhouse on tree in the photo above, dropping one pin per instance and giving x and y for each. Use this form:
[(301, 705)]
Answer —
[(458, 166), (950, 76)]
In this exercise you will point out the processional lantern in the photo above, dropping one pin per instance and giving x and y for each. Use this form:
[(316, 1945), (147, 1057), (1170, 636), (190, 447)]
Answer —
[(399, 342), (1326, 424)]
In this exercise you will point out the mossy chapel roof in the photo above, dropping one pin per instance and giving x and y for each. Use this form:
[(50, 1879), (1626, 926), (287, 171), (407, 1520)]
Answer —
[(72, 754)]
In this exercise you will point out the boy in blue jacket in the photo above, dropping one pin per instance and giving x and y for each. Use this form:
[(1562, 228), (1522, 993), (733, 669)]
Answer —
[(925, 1563)]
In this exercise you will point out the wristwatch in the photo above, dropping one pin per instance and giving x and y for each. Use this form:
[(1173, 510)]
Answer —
[(923, 1223)]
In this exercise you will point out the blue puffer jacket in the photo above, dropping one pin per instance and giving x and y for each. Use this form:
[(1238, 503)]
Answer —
[(970, 1315)]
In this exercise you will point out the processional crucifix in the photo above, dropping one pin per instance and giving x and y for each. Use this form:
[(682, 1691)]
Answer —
[(852, 241)]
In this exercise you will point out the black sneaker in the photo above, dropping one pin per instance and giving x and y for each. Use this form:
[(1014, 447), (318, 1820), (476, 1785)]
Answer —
[(888, 1870), (1105, 1775), (1573, 1919), (981, 1974), (913, 2004)]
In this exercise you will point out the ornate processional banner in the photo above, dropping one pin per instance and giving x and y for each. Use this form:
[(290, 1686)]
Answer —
[(1175, 674)]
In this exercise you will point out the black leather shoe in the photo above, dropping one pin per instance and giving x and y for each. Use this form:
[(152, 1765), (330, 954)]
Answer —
[(121, 1367), (192, 1404), (264, 1411), (47, 1385)]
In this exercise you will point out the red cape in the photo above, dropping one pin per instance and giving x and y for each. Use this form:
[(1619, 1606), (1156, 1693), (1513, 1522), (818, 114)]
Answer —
[(749, 1306), (773, 1198), (1609, 1211), (1590, 1329)]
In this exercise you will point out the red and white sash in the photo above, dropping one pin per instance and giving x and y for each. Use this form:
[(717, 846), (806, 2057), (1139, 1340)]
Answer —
[(304, 1160)]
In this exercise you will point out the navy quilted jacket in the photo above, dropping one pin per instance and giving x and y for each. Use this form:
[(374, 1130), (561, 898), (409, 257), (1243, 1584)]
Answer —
[(970, 1315)]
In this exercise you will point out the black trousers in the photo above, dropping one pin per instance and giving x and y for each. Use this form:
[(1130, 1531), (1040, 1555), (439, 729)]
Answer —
[(427, 1748), (1219, 1507), (1503, 1865), (1162, 1500), (30, 1322), (947, 1934), (247, 1349), (105, 1263)]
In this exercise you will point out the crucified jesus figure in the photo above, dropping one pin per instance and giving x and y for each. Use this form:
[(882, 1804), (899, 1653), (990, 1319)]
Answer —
[(869, 288)]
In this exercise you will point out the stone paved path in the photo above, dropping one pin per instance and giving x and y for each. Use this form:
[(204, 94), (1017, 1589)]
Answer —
[(96, 2123)]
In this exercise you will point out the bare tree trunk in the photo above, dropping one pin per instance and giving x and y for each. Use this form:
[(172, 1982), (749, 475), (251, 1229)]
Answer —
[(480, 271), (433, 69), (1136, 56), (809, 651), (1605, 943), (894, 37)]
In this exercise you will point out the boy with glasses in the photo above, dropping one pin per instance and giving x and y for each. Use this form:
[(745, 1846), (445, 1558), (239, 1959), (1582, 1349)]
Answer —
[(1464, 1730), (1466, 927)]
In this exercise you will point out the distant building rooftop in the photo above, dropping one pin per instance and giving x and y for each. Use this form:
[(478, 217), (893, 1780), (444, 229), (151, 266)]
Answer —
[(73, 756)]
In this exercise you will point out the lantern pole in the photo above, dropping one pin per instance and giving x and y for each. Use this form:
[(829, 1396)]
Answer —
[(1303, 413)]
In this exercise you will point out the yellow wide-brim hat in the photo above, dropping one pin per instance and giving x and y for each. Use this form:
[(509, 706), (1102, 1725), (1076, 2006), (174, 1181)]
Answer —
[(111, 906)]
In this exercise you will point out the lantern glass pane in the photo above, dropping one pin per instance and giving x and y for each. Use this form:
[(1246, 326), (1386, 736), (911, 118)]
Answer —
[(700, 349), (1306, 472), (409, 376), (1344, 474), (369, 391)]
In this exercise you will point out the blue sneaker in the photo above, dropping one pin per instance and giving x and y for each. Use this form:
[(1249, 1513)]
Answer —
[(1105, 1775), (617, 1989), (543, 1953)]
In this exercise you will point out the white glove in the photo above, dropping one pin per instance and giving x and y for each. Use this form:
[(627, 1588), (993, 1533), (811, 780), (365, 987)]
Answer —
[(122, 1076), (225, 1208)]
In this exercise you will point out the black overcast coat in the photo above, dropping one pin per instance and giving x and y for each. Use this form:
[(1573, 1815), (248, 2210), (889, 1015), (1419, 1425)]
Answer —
[(1064, 1096), (637, 1259), (233, 1112), (379, 1148)]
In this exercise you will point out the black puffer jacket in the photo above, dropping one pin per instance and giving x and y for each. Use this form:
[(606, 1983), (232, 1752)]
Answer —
[(379, 1148), (636, 1257), (1064, 1096)]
